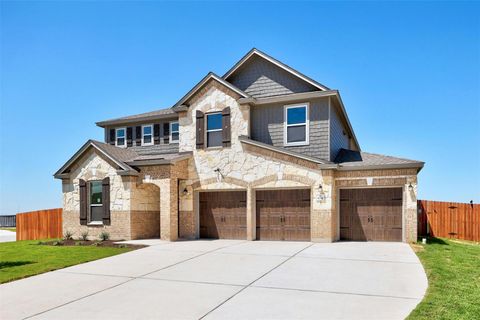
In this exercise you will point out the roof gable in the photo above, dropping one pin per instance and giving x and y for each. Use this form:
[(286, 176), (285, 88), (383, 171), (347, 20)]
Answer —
[(117, 155), (209, 77), (260, 75)]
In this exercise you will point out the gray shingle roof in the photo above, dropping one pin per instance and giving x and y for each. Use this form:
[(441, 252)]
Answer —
[(152, 115), (352, 159), (120, 154)]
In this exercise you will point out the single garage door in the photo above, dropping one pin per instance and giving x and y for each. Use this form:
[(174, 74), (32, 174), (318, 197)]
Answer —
[(371, 214), (283, 215), (223, 215)]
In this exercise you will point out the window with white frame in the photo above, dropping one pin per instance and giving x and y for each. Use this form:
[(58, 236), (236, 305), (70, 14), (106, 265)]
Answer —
[(296, 125), (214, 130), (174, 132), (96, 204), (120, 137), (147, 135)]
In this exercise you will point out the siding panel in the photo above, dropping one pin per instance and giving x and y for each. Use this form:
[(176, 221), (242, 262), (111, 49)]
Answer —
[(260, 78), (162, 148), (267, 127), (338, 134)]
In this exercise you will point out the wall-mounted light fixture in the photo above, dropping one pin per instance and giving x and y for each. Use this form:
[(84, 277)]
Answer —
[(410, 187), (320, 188), (185, 192)]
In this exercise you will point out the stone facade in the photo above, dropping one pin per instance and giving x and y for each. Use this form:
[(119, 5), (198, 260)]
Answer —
[(163, 201)]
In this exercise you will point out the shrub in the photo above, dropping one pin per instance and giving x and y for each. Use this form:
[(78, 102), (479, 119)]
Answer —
[(104, 236), (68, 235), (84, 235), (78, 243)]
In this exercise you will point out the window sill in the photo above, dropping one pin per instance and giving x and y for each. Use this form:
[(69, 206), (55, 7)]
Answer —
[(296, 144), (95, 223), (214, 148)]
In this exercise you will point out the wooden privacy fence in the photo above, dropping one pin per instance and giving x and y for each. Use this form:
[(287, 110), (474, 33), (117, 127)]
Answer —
[(449, 220), (41, 224)]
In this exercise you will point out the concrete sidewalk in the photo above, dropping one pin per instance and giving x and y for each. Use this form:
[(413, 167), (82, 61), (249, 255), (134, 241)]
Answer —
[(228, 279)]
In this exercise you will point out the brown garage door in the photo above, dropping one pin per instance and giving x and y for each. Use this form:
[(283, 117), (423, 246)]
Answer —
[(283, 215), (223, 215), (371, 214)]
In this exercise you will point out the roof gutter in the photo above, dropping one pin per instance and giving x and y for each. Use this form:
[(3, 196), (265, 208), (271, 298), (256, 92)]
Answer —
[(106, 123), (418, 165)]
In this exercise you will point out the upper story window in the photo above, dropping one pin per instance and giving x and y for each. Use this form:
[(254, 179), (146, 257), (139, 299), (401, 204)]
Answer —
[(214, 129), (96, 205), (174, 132), (147, 135), (120, 137), (296, 125)]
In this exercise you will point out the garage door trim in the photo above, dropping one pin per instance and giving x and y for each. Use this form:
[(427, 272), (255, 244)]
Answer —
[(372, 187)]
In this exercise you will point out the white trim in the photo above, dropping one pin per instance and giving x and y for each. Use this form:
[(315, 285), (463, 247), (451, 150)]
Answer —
[(170, 140), (305, 105), (90, 204), (151, 134), (124, 137), (213, 130), (278, 64)]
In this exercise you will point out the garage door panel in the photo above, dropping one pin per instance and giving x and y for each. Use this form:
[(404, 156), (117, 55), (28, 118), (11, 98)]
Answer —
[(371, 214), (283, 215), (223, 215)]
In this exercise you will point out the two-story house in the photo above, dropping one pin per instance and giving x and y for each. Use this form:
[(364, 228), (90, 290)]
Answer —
[(263, 152)]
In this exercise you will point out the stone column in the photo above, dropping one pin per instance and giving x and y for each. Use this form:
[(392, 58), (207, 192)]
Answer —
[(410, 207), (322, 224), (168, 209), (251, 214)]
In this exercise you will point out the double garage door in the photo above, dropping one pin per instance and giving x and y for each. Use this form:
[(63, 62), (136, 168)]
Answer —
[(371, 214), (365, 214), (280, 215)]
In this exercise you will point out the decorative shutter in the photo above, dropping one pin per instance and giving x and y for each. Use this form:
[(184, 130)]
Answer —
[(112, 137), (166, 132), (156, 133), (226, 129), (129, 136), (83, 202), (200, 132), (106, 200), (138, 135)]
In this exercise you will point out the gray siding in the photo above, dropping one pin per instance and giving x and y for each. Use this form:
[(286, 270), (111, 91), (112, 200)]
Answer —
[(260, 78), (162, 148), (267, 125), (338, 133)]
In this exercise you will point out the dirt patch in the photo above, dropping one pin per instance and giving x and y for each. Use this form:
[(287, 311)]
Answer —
[(417, 247), (106, 243)]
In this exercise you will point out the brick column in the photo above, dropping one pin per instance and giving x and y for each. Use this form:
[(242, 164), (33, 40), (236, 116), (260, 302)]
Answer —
[(251, 214), (168, 209)]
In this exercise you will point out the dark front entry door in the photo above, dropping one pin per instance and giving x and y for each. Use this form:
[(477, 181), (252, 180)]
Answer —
[(223, 215), (283, 215), (371, 214)]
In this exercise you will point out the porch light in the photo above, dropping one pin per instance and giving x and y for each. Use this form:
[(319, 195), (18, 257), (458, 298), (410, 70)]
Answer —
[(410, 187), (320, 188), (185, 191)]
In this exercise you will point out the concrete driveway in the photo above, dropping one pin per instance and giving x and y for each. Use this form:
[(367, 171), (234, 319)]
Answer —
[(228, 279), (7, 236)]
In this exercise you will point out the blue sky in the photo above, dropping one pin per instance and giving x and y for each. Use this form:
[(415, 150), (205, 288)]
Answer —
[(408, 73)]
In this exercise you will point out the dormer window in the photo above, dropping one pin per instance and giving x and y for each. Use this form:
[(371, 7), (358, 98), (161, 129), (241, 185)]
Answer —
[(214, 130), (174, 132), (296, 125), (147, 135), (120, 137)]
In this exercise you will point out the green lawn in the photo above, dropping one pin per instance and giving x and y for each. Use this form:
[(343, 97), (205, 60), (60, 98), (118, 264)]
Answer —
[(453, 270), (26, 258)]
